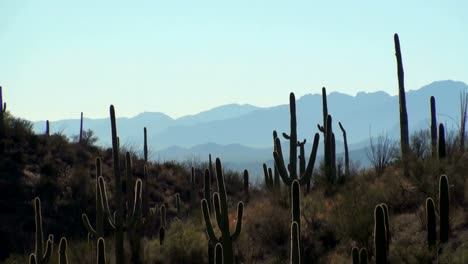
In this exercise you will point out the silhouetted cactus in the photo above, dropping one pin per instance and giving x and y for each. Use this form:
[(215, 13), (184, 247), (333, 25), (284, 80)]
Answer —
[(302, 161), (296, 204), (207, 187), (433, 127), (32, 259), (387, 225), (99, 230), (47, 130), (246, 185), (355, 255), (292, 166), (444, 204), (404, 132), (346, 152), (430, 222), (218, 256), (441, 145), (41, 254), (295, 244), (380, 237), (101, 251), (62, 254), (276, 177), (267, 173), (222, 217), (2, 121), (80, 140), (363, 256), (162, 212), (162, 235)]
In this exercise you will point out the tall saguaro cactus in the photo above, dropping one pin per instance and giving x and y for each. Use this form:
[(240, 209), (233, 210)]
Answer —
[(433, 127), (81, 129), (380, 235), (47, 131), (288, 178), (101, 251), (62, 252), (444, 204), (404, 132), (41, 254), (222, 217), (99, 230)]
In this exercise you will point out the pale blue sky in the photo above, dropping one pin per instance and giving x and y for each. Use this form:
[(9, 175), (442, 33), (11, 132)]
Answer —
[(58, 58)]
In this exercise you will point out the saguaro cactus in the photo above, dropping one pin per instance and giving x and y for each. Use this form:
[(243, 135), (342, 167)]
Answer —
[(433, 127), (404, 132), (363, 256), (2, 120), (41, 254), (268, 174), (292, 166), (81, 129), (345, 149), (355, 255), (101, 251), (222, 217), (380, 237), (442, 151), (207, 187), (99, 230), (387, 225), (47, 131), (246, 185), (219, 254), (430, 222), (444, 204), (62, 254), (295, 245)]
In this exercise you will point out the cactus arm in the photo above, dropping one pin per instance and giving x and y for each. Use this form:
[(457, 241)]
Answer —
[(38, 252), (320, 128), (444, 203), (137, 211), (310, 165), (105, 202), (48, 251), (431, 223), (129, 182), (240, 212), (265, 174), (270, 175), (279, 161), (207, 185), (207, 218), (293, 139), (87, 225), (363, 256), (222, 196), (286, 136)]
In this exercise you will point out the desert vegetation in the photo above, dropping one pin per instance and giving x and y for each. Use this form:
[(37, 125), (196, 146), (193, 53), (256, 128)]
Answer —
[(68, 200)]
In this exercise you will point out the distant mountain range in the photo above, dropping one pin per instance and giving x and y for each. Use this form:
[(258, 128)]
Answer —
[(242, 134)]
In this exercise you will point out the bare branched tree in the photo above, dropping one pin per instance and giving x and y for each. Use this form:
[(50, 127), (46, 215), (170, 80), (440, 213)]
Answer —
[(381, 152)]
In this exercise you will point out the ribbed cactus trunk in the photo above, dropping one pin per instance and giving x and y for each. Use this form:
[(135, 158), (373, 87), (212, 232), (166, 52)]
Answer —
[(295, 257), (246, 186), (430, 223), (345, 139), (441, 145), (207, 188), (101, 251), (302, 162), (380, 237), (444, 204), (404, 132), (129, 183), (119, 201), (292, 166), (81, 129), (433, 127)]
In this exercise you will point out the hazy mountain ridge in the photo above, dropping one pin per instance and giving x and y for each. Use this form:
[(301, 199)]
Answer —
[(245, 132)]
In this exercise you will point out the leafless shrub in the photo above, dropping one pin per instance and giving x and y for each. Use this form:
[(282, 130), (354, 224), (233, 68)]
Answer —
[(381, 152)]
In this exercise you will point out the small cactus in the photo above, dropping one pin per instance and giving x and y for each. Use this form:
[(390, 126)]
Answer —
[(295, 248), (444, 204), (62, 254), (355, 255), (430, 222), (101, 251), (380, 237)]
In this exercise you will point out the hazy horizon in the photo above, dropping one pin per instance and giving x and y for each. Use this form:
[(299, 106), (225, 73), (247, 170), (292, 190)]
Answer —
[(59, 59)]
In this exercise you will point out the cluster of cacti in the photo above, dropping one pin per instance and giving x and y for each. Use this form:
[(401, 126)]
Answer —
[(329, 147), (444, 209), (359, 256), (272, 181), (288, 178), (222, 218)]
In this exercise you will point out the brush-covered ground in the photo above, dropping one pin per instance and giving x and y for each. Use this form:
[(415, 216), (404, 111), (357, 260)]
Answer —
[(335, 217)]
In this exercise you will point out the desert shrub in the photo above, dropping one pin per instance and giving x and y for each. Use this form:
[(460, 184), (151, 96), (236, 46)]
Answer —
[(185, 243)]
